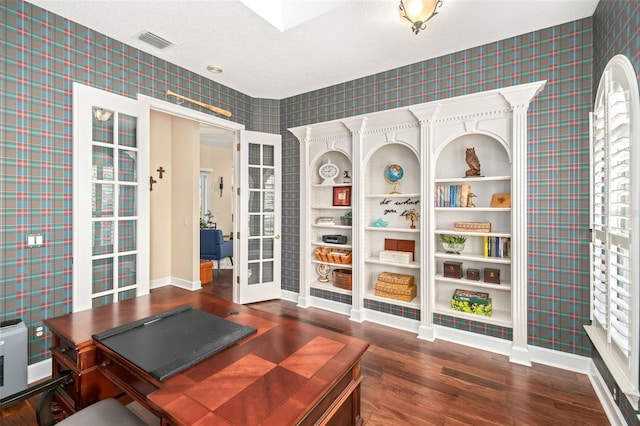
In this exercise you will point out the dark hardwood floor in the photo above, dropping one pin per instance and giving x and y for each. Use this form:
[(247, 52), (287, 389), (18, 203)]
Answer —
[(408, 381)]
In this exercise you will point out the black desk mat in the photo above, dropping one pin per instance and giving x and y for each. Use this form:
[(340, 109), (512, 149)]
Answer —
[(172, 341)]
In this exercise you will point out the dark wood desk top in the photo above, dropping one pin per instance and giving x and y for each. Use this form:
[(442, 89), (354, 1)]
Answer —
[(281, 375)]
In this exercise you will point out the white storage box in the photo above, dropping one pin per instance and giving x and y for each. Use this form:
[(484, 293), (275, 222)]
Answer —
[(396, 256)]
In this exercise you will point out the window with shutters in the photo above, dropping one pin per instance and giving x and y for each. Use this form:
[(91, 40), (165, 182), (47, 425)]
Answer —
[(615, 269)]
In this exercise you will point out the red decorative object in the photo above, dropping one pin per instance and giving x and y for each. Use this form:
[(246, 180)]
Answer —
[(342, 196)]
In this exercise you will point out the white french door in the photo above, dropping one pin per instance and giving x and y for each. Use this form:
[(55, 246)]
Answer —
[(110, 198), (258, 228)]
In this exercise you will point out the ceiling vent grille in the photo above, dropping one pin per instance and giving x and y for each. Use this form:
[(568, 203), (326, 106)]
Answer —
[(154, 40)]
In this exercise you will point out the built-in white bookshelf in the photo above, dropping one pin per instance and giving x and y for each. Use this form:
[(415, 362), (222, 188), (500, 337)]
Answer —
[(428, 141)]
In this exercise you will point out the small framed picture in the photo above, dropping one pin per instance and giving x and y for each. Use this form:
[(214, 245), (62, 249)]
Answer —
[(342, 196)]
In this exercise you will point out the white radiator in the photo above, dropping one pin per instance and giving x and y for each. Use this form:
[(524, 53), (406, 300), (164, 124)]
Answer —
[(13, 357)]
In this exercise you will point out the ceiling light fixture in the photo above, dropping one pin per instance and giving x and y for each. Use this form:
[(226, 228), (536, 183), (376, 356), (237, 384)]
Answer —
[(214, 69), (102, 114), (418, 12)]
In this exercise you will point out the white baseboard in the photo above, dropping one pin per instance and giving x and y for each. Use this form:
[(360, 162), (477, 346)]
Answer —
[(178, 282), (329, 305), (39, 371), (290, 296), (473, 340), (609, 406), (160, 282), (389, 320), (563, 360)]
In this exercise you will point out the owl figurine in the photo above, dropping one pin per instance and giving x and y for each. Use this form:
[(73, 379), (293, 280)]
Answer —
[(473, 162)]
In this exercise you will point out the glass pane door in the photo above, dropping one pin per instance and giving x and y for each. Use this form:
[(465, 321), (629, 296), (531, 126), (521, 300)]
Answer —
[(110, 198), (260, 211)]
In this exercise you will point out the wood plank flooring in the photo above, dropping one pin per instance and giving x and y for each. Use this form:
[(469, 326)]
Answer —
[(408, 381)]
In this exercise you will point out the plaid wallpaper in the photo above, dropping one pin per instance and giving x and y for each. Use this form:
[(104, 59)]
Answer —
[(42, 54), (558, 291), (616, 29)]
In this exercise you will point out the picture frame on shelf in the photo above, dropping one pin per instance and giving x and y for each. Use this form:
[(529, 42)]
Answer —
[(342, 196)]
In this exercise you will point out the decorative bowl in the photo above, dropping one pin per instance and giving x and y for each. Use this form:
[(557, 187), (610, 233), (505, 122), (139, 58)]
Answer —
[(453, 248)]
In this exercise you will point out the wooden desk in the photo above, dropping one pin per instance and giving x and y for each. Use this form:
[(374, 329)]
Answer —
[(288, 373)]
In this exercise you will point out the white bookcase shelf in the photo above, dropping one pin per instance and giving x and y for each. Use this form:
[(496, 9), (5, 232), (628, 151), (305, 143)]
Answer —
[(392, 229), (472, 257), (473, 210), (498, 317), (377, 261), (415, 303), (329, 287), (428, 141)]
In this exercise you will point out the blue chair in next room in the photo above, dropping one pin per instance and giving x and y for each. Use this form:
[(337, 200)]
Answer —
[(214, 247)]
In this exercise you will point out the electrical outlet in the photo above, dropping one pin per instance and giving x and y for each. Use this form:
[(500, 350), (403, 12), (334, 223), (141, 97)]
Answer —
[(37, 332), (615, 395)]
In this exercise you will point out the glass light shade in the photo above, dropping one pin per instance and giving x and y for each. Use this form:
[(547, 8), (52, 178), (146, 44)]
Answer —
[(417, 12)]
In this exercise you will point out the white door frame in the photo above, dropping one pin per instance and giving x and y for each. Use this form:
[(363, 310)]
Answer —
[(190, 114)]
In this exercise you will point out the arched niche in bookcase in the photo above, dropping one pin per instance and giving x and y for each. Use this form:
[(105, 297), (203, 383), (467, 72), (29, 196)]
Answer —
[(330, 238), (386, 205), (473, 200)]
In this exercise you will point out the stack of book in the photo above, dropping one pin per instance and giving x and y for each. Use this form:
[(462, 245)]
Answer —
[(497, 246), (325, 220), (451, 195)]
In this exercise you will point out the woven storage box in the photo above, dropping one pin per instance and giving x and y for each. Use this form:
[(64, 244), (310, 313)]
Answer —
[(472, 226), (342, 278), (395, 291), (393, 278), (333, 255)]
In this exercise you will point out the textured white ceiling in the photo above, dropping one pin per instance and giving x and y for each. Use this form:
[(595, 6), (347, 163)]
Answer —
[(352, 39)]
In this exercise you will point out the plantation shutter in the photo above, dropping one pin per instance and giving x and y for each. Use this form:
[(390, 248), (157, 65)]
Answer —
[(614, 224), (619, 180)]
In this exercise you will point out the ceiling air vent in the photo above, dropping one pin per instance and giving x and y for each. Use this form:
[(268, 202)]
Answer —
[(154, 40)]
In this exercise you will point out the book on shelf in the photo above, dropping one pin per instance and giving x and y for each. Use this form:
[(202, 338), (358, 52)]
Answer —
[(325, 220), (497, 247), (451, 195)]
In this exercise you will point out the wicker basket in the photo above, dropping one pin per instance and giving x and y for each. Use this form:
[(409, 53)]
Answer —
[(472, 226), (395, 291), (333, 255), (394, 278)]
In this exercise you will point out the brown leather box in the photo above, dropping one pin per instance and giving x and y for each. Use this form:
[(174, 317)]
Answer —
[(492, 275), (452, 269), (401, 245), (473, 274)]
